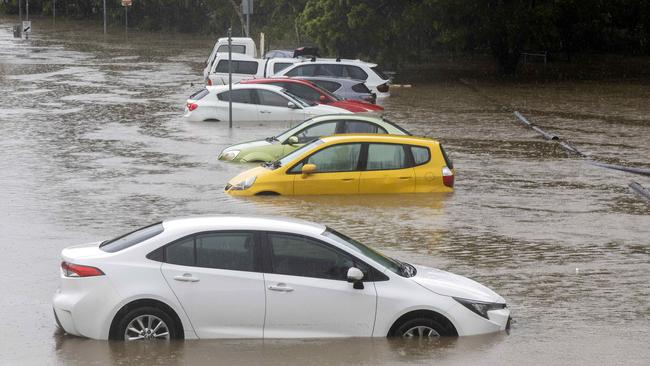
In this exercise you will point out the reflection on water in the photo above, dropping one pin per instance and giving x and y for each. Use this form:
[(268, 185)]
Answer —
[(358, 351), (93, 145)]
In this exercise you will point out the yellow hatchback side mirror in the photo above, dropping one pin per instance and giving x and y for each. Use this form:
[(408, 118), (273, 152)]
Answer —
[(308, 169)]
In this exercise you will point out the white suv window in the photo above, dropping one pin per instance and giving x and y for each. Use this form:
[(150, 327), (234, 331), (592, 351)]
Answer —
[(303, 70)]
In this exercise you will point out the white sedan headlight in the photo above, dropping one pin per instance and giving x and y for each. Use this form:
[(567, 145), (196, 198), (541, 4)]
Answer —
[(229, 155), (244, 184)]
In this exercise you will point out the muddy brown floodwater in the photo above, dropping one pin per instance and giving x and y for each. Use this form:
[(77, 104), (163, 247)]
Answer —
[(92, 144)]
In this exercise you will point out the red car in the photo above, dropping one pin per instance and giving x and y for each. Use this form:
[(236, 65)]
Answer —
[(312, 93)]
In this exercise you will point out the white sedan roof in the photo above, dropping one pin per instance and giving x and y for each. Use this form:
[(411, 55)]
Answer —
[(231, 222), (220, 88)]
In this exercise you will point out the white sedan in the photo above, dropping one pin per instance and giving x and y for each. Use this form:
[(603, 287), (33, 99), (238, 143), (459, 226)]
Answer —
[(253, 103), (253, 277)]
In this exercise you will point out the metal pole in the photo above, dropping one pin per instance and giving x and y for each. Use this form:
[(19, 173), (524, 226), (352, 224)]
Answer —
[(230, 77), (104, 16), (27, 17), (20, 10), (126, 20), (54, 11), (248, 24)]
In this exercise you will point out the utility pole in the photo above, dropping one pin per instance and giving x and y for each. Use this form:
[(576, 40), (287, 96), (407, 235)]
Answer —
[(54, 11), (104, 16), (247, 9), (20, 9), (230, 77)]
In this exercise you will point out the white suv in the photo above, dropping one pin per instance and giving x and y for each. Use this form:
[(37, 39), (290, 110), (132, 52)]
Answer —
[(252, 277), (369, 73)]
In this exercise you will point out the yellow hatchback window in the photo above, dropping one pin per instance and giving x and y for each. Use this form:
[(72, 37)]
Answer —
[(385, 157), (337, 158)]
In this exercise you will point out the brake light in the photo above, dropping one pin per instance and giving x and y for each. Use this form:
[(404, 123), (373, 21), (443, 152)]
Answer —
[(447, 177), (209, 82), (76, 270), (192, 106), (383, 88)]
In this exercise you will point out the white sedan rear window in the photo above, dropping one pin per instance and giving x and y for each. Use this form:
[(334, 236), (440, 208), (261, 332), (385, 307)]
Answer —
[(132, 238)]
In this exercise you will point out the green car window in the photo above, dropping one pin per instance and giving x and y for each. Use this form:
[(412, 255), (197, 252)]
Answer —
[(316, 131)]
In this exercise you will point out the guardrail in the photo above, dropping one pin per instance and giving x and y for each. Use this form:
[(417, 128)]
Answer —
[(637, 188), (573, 150)]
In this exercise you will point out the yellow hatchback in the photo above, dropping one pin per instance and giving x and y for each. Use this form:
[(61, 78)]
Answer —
[(352, 164)]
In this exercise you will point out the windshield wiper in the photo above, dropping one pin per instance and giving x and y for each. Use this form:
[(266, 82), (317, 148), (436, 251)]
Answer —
[(272, 164), (271, 139)]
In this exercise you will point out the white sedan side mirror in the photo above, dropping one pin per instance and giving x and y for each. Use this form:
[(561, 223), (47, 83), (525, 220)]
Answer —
[(355, 276)]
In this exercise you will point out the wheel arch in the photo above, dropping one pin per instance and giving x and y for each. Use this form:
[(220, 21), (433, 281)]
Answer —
[(424, 313), (267, 193), (137, 303)]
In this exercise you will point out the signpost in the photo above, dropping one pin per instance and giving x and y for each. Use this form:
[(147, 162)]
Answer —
[(230, 77), (104, 16), (126, 4), (247, 9), (27, 28), (27, 24)]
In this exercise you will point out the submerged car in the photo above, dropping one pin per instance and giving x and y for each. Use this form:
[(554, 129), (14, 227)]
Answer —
[(369, 73), (253, 103), (274, 147), (348, 89), (310, 92), (255, 277), (352, 164)]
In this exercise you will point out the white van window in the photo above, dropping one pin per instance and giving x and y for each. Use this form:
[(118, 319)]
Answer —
[(238, 67), (236, 48)]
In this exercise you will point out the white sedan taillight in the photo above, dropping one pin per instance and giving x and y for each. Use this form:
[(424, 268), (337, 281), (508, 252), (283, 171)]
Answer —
[(447, 177), (76, 270)]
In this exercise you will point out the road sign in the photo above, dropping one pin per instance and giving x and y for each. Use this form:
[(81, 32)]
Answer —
[(127, 2), (247, 7), (27, 26)]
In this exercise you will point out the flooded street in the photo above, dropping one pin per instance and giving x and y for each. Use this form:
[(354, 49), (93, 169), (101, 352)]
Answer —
[(93, 144)]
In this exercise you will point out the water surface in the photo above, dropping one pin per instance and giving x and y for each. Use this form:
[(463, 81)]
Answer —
[(93, 144)]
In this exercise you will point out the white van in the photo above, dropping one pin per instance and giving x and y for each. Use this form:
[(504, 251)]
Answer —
[(240, 45), (246, 67)]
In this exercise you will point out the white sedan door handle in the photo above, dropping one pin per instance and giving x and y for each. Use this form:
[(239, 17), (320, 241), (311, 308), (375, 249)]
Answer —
[(265, 111), (186, 277), (281, 287)]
